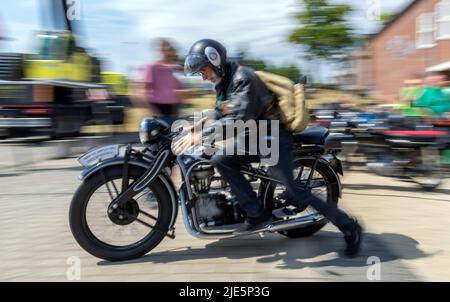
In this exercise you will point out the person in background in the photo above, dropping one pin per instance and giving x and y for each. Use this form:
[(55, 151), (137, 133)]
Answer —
[(162, 88), (410, 91), (433, 99)]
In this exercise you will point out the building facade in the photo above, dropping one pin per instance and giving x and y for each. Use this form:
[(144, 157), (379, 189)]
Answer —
[(415, 42)]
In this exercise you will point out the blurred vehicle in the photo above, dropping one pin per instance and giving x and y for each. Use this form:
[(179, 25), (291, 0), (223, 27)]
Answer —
[(56, 90), (410, 154), (444, 124), (400, 146)]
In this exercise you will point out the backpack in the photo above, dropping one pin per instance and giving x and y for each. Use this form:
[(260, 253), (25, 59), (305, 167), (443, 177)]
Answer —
[(291, 100)]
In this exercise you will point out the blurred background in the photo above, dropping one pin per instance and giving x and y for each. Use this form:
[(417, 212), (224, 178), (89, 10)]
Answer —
[(377, 72), (77, 74)]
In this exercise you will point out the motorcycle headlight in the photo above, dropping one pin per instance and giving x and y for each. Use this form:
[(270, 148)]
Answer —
[(150, 129), (143, 135)]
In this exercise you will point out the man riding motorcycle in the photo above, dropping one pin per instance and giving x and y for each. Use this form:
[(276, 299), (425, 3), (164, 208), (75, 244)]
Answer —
[(242, 96)]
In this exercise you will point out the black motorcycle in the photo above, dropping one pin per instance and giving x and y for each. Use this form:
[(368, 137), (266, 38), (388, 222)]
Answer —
[(127, 203)]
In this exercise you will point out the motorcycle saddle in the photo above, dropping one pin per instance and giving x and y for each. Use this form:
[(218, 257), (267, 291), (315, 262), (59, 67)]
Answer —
[(312, 135)]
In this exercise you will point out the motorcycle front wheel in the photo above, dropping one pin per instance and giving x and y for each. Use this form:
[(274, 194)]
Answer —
[(128, 232)]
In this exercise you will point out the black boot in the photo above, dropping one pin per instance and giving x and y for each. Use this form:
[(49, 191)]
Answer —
[(255, 223), (354, 240)]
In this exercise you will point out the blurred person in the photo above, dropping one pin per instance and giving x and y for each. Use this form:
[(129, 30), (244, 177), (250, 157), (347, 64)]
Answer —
[(410, 91), (241, 95), (433, 100), (162, 88)]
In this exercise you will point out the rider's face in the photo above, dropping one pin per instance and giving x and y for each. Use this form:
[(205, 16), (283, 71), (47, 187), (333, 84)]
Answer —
[(208, 74)]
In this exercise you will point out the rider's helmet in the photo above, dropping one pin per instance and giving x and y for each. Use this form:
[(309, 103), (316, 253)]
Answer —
[(206, 52)]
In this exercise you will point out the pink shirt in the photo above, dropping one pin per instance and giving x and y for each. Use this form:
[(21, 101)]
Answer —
[(162, 83)]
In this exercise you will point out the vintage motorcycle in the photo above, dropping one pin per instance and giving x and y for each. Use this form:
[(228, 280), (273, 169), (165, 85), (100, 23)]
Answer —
[(127, 202)]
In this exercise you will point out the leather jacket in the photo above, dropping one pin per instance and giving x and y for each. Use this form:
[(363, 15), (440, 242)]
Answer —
[(246, 97)]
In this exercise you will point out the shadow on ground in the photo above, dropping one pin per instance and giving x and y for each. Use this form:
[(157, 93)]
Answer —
[(297, 253)]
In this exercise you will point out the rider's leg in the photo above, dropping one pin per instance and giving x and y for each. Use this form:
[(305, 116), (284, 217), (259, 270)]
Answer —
[(283, 171), (229, 167)]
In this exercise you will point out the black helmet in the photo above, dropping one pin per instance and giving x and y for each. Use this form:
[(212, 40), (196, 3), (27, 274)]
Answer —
[(151, 128), (206, 52)]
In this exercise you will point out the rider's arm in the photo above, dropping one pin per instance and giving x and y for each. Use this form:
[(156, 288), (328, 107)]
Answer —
[(242, 106)]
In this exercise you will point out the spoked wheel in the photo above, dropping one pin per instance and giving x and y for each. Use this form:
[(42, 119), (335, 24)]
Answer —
[(127, 232), (428, 171), (322, 184)]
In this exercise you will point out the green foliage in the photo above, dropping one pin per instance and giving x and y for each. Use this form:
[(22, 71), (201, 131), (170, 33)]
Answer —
[(255, 64), (386, 17), (323, 30), (290, 71)]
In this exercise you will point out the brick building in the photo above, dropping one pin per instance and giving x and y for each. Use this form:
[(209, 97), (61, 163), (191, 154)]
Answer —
[(416, 41)]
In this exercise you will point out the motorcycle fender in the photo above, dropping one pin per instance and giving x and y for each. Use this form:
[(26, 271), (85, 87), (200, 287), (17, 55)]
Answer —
[(336, 164), (335, 168), (166, 180)]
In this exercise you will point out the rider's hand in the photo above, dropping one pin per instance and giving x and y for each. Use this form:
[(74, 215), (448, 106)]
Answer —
[(180, 145), (223, 106)]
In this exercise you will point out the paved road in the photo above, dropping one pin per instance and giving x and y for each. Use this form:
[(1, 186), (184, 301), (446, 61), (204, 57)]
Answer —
[(406, 228)]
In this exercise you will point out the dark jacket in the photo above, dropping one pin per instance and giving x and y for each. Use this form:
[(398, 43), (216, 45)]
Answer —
[(247, 98)]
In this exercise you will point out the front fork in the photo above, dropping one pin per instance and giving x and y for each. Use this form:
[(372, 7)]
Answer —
[(128, 192)]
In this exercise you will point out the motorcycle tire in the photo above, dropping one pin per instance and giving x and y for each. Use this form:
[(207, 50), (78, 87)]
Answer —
[(90, 243)]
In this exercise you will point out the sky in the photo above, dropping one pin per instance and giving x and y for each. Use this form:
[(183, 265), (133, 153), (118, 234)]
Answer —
[(124, 31)]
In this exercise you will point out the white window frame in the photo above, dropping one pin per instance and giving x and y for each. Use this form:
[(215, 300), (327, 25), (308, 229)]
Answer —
[(440, 19), (421, 31)]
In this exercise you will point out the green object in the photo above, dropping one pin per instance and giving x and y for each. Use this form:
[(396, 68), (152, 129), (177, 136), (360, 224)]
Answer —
[(408, 110), (323, 28), (117, 81), (446, 92), (435, 100), (410, 93), (445, 157)]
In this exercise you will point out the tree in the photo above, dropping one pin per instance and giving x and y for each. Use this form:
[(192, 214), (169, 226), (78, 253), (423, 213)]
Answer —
[(323, 30), (290, 71), (386, 17)]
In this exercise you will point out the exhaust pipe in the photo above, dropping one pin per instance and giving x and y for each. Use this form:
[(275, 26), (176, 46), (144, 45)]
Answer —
[(285, 225), (277, 226)]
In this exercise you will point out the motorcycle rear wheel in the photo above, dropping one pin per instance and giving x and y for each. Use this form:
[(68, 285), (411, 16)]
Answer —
[(331, 194)]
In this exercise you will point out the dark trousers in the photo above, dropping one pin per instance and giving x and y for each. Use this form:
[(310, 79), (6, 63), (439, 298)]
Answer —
[(229, 168)]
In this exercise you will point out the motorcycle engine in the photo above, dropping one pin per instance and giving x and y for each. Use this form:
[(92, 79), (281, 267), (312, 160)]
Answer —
[(213, 206)]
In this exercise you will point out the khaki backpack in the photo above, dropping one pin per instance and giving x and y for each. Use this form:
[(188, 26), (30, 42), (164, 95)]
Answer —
[(290, 100)]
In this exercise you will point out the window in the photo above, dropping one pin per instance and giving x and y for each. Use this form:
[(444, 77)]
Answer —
[(443, 20), (424, 31)]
